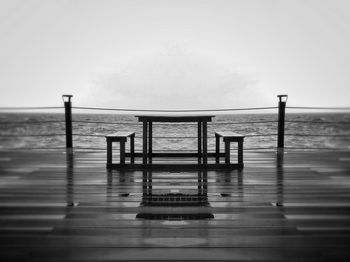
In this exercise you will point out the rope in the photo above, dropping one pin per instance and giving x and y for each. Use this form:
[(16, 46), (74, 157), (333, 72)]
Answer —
[(261, 135), (25, 123), (34, 148), (172, 137), (168, 111), (316, 148), (321, 135), (246, 148), (109, 123), (259, 148), (194, 124), (31, 108), (235, 123), (90, 148), (318, 122), (90, 135), (32, 135), (318, 108), (173, 111)]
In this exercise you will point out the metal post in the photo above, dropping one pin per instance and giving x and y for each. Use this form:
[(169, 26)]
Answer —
[(281, 118), (68, 117)]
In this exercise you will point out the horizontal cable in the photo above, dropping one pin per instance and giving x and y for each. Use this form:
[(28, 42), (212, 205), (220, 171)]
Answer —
[(261, 135), (319, 135), (170, 137), (318, 108), (316, 148), (174, 151), (31, 108), (90, 135), (109, 123), (103, 149), (34, 148), (140, 124), (32, 135), (317, 122), (174, 111), (246, 148), (259, 148), (168, 110), (29, 122), (235, 123), (90, 148), (173, 137)]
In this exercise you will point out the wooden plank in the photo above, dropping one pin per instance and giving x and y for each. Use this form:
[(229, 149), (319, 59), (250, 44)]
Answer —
[(69, 207)]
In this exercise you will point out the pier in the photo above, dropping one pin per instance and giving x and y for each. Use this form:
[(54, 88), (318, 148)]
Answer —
[(58, 206), (73, 203)]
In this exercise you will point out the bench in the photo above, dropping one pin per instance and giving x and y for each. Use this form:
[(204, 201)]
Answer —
[(121, 137), (229, 137)]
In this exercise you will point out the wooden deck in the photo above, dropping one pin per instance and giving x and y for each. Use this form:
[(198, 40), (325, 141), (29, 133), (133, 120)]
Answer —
[(61, 207)]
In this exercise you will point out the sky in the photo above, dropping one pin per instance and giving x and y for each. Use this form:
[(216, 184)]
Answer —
[(174, 54)]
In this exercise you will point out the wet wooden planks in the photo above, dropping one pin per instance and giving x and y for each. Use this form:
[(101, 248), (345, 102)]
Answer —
[(61, 207)]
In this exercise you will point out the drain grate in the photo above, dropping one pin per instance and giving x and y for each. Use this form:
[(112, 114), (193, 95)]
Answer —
[(175, 200), (152, 216)]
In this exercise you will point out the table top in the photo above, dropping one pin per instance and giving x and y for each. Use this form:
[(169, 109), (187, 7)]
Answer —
[(175, 118)]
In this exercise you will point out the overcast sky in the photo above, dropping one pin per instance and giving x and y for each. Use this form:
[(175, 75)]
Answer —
[(174, 54)]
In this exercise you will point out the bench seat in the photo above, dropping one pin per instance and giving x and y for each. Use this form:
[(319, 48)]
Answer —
[(120, 137), (229, 137)]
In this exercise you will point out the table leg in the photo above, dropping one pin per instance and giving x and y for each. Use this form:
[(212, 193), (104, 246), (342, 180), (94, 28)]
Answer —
[(109, 152), (199, 142), (144, 143), (150, 142), (205, 143), (205, 183), (217, 148), (227, 152), (132, 149), (122, 152), (240, 153)]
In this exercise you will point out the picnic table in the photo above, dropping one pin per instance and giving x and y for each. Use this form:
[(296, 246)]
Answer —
[(202, 134)]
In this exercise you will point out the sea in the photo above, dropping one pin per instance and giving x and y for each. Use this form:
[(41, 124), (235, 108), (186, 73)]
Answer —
[(303, 131)]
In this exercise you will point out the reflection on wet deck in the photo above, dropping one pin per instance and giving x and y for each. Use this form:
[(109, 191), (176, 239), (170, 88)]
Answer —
[(63, 207)]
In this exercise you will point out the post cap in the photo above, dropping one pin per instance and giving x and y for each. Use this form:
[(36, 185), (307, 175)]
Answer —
[(64, 97), (283, 98)]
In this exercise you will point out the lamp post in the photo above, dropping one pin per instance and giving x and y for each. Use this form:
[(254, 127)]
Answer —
[(68, 117), (281, 117)]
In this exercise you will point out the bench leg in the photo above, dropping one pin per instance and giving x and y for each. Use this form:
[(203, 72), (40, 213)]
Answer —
[(122, 152), (240, 153), (109, 153), (217, 149), (227, 152), (132, 149)]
